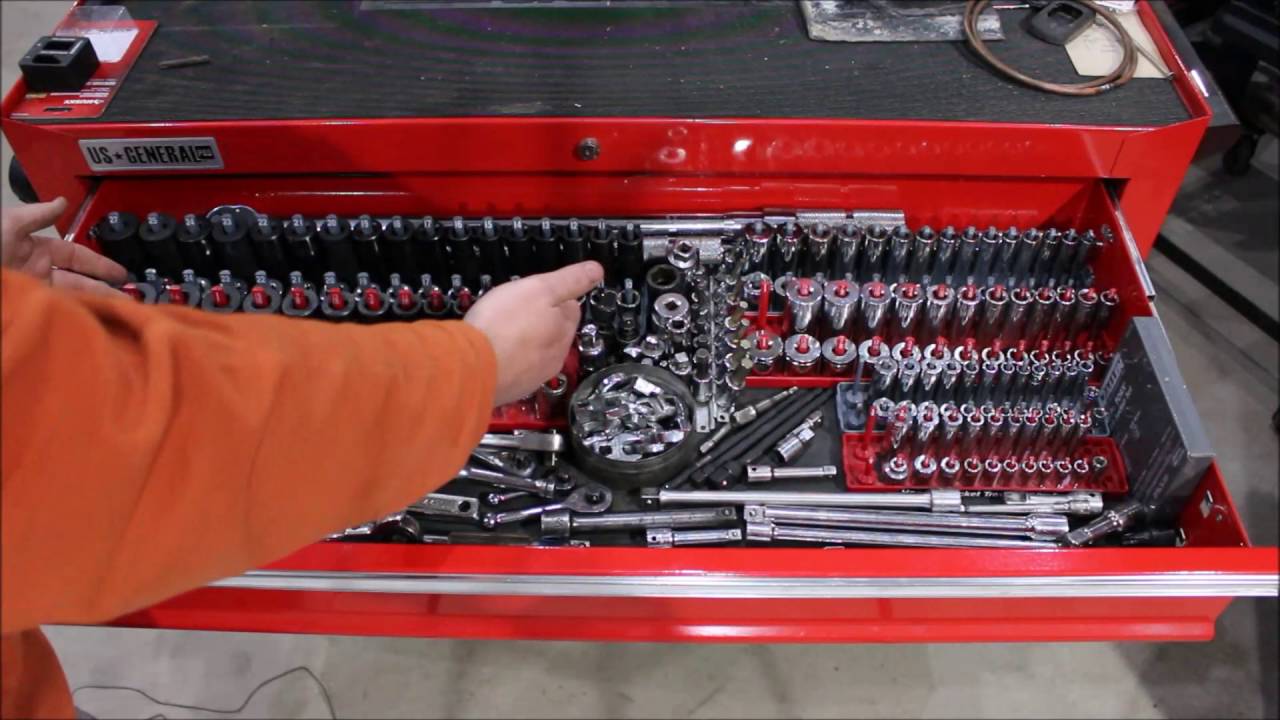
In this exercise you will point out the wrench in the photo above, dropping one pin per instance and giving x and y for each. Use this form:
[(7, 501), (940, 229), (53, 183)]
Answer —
[(448, 506), (560, 523), (586, 498), (1039, 526), (542, 487), (552, 442)]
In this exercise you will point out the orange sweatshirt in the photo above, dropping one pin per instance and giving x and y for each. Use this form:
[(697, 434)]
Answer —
[(148, 450)]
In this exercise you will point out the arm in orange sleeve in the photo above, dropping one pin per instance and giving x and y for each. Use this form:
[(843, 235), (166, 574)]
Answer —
[(148, 450)]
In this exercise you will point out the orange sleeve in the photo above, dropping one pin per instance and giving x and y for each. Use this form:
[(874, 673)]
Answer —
[(150, 449)]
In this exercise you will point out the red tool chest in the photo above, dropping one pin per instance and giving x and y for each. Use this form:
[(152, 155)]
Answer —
[(936, 171)]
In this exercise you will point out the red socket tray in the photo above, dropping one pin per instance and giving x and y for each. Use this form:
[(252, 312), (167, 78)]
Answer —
[(860, 473)]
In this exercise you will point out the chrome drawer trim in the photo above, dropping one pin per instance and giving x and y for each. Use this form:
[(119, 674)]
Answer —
[(1176, 584)]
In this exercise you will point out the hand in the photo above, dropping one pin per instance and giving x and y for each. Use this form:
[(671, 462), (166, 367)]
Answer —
[(530, 323), (53, 260)]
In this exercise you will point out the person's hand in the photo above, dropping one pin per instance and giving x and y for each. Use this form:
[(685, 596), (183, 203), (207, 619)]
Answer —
[(530, 323), (51, 259)]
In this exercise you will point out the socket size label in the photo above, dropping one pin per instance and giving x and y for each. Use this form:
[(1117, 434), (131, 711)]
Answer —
[(117, 154)]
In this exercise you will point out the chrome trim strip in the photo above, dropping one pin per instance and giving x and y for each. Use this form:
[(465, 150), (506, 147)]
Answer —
[(1127, 234), (1172, 584)]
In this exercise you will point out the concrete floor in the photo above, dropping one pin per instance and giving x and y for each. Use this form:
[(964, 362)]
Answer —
[(1232, 370)]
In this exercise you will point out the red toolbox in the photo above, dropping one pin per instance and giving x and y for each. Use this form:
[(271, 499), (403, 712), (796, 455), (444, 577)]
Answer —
[(584, 163)]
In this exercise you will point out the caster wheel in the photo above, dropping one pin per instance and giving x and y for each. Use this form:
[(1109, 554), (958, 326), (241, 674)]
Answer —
[(1239, 157), (19, 183)]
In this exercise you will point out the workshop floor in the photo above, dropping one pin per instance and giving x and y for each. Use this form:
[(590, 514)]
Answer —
[(1231, 369)]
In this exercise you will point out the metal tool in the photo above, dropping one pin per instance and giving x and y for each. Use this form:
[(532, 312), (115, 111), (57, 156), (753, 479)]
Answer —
[(587, 498), (1112, 520), (551, 441), (548, 486), (562, 523), (768, 532), (455, 506), (941, 500), (1036, 526), (745, 416), (768, 473), (667, 537)]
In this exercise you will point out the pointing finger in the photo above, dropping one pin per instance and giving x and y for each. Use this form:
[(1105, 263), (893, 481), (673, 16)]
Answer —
[(25, 219), (73, 281), (572, 282), (70, 256)]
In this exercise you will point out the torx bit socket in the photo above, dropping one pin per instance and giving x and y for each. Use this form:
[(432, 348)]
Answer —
[(786, 249), (907, 299), (817, 251), (1017, 314), (939, 303), (967, 305), (874, 247), (839, 307), (922, 251), (944, 260), (966, 257), (991, 325), (759, 237), (985, 266), (900, 242), (848, 244), (875, 310)]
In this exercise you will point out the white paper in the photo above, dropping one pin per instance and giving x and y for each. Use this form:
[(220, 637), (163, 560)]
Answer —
[(1097, 51)]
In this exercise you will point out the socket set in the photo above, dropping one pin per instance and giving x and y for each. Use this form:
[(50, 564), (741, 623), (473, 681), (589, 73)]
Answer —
[(976, 354)]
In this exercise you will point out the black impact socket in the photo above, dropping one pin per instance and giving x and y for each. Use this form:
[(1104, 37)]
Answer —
[(573, 245), (117, 235), (630, 264), (661, 279), (463, 257), (366, 238), (338, 250), (429, 250), (231, 248), (302, 249), (519, 249), (546, 247), (194, 245), (397, 249), (158, 234), (493, 253), (266, 235), (602, 247)]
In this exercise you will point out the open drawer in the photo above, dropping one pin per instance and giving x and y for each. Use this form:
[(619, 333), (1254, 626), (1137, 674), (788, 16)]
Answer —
[(722, 593)]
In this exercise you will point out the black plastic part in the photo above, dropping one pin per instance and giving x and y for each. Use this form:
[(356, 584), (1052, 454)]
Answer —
[(661, 279), (429, 251), (120, 242), (519, 250), (20, 184), (493, 255), (268, 248), (546, 248), (231, 248), (572, 244), (338, 252), (58, 64), (160, 246), (193, 246), (301, 251), (397, 248), (1060, 21), (602, 247), (630, 264)]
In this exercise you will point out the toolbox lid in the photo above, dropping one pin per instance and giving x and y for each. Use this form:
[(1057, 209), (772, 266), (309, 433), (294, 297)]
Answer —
[(275, 60)]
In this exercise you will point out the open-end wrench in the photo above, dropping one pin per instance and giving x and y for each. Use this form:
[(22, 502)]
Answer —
[(547, 486), (586, 498)]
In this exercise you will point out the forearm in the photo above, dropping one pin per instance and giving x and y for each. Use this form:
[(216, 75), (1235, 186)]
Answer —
[(148, 450)]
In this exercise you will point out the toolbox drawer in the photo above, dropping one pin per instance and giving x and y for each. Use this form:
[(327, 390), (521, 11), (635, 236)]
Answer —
[(729, 594)]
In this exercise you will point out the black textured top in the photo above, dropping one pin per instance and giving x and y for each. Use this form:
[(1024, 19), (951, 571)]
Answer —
[(342, 59)]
